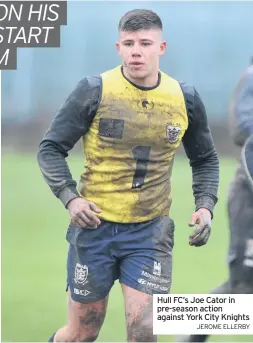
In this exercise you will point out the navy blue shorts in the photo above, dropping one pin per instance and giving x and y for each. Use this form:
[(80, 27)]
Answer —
[(139, 255)]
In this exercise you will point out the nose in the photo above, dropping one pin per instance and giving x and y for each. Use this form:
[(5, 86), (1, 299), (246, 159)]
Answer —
[(136, 52)]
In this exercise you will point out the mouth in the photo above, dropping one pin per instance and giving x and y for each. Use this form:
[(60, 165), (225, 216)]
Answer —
[(136, 64)]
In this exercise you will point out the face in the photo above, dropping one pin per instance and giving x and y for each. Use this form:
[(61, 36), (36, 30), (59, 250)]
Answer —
[(140, 52)]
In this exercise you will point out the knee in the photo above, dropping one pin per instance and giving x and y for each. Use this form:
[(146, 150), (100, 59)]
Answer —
[(78, 335), (140, 331), (92, 337), (89, 335)]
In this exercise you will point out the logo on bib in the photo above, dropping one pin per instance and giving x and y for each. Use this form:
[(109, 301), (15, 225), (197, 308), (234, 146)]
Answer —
[(172, 133)]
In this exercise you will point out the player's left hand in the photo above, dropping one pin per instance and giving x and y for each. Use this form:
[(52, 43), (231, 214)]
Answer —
[(202, 221)]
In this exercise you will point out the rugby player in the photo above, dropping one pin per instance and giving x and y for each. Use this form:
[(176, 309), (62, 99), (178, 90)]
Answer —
[(131, 120), (240, 197)]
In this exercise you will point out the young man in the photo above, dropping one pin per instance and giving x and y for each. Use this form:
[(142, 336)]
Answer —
[(240, 198), (131, 120)]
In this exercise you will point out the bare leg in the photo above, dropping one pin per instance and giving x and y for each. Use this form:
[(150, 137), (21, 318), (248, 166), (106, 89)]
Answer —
[(84, 321), (139, 315)]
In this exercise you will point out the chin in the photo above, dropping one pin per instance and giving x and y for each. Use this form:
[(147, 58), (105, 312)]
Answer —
[(138, 74)]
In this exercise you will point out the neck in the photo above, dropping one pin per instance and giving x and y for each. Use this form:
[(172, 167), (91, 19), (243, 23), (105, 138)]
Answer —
[(149, 82)]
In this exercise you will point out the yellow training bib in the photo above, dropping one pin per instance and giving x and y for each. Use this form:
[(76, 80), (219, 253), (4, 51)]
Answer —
[(130, 146)]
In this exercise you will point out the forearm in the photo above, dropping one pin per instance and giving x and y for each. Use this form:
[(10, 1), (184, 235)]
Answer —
[(247, 159), (244, 105), (241, 111), (56, 172), (72, 121), (200, 149), (205, 175)]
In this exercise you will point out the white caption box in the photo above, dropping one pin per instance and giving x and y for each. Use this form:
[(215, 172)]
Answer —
[(185, 314)]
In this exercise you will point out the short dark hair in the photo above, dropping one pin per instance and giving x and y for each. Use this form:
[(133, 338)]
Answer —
[(140, 19)]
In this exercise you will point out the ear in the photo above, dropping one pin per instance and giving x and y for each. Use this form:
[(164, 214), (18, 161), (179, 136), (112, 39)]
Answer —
[(163, 46), (118, 47)]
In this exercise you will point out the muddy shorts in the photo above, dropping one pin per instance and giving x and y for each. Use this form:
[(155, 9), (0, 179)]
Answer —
[(139, 255)]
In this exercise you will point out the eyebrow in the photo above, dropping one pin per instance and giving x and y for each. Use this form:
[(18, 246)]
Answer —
[(142, 40)]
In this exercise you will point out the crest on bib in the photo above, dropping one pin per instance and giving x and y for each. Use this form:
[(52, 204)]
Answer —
[(172, 133)]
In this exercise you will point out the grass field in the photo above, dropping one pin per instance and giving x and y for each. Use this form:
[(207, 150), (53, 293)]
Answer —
[(34, 252)]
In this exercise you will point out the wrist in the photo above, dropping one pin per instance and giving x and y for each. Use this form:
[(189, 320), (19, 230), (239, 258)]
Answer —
[(205, 210), (67, 194), (71, 201), (205, 202)]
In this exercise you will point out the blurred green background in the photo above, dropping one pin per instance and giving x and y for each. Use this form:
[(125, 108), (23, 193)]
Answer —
[(34, 250)]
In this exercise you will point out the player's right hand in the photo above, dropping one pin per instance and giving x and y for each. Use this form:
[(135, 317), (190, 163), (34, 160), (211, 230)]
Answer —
[(82, 213)]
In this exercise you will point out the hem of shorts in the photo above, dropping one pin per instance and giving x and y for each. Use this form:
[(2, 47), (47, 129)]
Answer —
[(88, 300), (138, 287)]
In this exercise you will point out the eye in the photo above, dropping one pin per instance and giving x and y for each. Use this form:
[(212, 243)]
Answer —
[(146, 43), (128, 44)]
